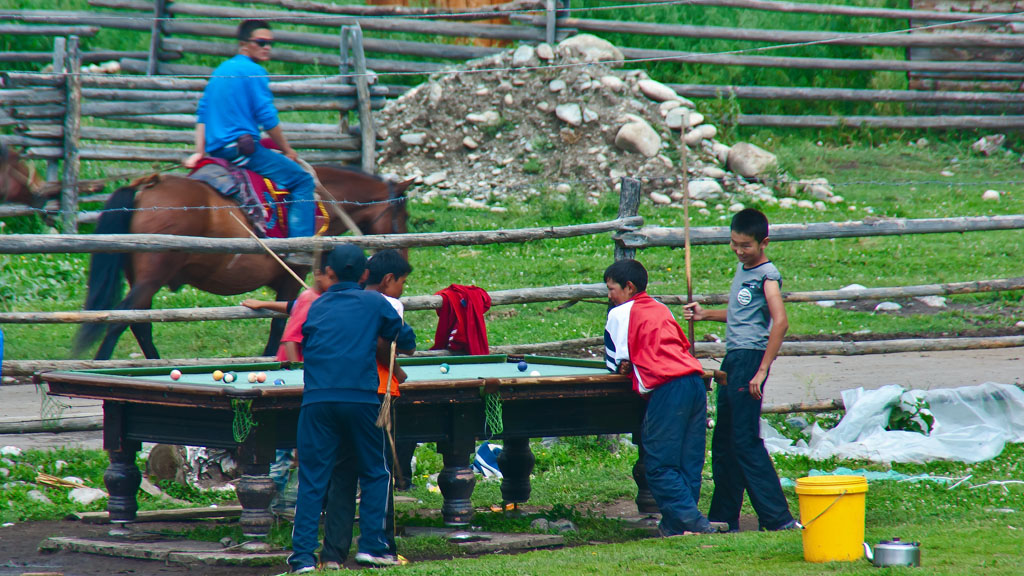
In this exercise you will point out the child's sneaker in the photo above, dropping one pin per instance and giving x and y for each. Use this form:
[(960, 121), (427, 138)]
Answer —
[(371, 560), (332, 565)]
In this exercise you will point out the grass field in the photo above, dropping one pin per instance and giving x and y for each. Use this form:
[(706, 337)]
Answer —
[(889, 179)]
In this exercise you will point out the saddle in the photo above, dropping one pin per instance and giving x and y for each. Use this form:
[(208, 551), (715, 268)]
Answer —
[(260, 199)]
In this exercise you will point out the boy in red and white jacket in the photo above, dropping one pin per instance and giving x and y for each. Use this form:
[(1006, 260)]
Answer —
[(643, 339)]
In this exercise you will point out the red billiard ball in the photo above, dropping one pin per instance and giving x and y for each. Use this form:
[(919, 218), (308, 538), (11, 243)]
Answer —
[(261, 377), (175, 374)]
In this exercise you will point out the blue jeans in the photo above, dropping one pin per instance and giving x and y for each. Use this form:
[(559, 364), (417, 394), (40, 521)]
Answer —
[(739, 460), (330, 433), (285, 173), (674, 438)]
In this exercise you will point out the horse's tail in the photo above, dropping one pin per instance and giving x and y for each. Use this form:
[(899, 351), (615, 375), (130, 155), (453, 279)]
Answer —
[(106, 270)]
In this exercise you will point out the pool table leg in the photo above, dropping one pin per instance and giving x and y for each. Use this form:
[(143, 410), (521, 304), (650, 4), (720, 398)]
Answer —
[(516, 464), (255, 489), (456, 482), (645, 503), (122, 477)]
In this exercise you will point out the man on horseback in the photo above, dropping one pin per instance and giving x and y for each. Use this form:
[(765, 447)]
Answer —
[(236, 104)]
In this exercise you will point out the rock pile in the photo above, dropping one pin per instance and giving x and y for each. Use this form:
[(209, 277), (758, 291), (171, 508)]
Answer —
[(563, 117)]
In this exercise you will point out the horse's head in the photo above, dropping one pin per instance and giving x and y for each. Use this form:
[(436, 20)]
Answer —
[(18, 183)]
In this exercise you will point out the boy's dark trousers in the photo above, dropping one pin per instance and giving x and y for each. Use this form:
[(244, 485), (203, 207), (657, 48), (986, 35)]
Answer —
[(674, 439), (739, 460), (330, 432), (341, 510)]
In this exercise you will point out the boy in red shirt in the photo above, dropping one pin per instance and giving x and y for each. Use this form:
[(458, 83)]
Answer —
[(643, 339), (290, 349)]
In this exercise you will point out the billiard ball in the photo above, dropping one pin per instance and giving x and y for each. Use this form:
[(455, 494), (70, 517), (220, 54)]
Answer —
[(261, 377), (229, 377), (217, 375), (175, 374), (522, 366), (534, 373), (444, 368), (279, 382), (251, 377)]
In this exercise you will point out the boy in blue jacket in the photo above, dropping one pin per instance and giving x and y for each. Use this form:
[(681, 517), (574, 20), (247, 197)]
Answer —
[(340, 407)]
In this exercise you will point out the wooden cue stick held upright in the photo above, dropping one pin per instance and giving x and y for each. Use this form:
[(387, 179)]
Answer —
[(269, 251), (686, 225)]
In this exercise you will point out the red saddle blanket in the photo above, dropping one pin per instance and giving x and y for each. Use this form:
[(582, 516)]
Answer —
[(260, 199)]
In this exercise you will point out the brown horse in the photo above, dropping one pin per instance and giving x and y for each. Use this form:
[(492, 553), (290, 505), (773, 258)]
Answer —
[(19, 184), (185, 207)]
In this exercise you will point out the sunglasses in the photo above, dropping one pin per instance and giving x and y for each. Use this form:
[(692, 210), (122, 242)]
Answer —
[(262, 43)]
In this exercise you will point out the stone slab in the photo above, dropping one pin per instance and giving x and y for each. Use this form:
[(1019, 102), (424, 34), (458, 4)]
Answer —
[(178, 551), (474, 542)]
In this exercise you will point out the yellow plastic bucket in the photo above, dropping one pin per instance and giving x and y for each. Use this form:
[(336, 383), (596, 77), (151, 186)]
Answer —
[(832, 513)]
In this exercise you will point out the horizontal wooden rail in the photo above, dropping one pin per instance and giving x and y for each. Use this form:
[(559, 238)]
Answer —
[(993, 69), (993, 122), (568, 292), (843, 94), (906, 40), (92, 243), (144, 154), (652, 236), (854, 11)]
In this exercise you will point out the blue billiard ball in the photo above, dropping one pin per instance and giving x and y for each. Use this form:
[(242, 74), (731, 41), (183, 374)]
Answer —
[(444, 368), (522, 366), (279, 382)]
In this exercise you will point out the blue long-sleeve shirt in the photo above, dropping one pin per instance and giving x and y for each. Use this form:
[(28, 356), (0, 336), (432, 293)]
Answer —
[(237, 101), (340, 344)]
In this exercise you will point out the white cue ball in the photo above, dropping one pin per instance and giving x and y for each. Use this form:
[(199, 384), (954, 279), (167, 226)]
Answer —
[(252, 377), (535, 373)]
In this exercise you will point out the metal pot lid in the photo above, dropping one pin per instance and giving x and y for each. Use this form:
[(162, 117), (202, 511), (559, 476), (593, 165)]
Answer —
[(897, 544)]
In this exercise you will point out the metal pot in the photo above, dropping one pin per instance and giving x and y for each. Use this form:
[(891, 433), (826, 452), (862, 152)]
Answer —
[(894, 553)]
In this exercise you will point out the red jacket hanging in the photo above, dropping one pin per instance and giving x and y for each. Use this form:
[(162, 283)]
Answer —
[(460, 320)]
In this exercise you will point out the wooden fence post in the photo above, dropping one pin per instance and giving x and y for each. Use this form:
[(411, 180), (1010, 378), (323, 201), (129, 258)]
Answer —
[(72, 124), (550, 21), (629, 205), (155, 38), (367, 130), (59, 50)]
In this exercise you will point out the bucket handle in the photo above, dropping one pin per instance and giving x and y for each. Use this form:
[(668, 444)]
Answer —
[(804, 525)]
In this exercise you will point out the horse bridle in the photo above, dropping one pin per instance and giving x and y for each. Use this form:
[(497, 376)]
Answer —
[(393, 200)]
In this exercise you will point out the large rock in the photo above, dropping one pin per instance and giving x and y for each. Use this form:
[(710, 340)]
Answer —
[(569, 113), (751, 161), (704, 189), (590, 48), (657, 91), (638, 137), (524, 56)]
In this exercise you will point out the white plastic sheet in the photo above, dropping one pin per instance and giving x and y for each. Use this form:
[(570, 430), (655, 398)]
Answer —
[(972, 424)]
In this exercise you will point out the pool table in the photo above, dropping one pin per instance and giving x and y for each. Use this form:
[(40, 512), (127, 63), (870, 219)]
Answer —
[(551, 397)]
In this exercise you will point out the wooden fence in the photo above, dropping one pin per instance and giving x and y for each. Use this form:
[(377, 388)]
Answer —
[(970, 64), (64, 116)]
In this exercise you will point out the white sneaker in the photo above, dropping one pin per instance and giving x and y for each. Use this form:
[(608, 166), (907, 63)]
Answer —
[(370, 559)]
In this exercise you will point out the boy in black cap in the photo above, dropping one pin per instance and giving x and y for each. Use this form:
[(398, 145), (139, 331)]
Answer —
[(337, 421)]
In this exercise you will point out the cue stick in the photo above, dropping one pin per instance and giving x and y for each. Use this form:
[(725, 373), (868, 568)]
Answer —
[(269, 251), (686, 226)]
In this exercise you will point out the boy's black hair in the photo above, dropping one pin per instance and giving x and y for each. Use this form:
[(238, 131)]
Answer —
[(387, 262), (750, 222), (347, 261), (247, 27), (625, 271)]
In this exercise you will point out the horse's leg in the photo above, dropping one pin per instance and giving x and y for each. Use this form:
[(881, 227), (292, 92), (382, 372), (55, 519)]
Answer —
[(287, 289), (276, 331), (140, 297)]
